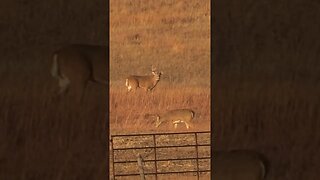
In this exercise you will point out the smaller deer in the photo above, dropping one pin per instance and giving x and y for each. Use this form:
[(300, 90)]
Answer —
[(175, 117), (145, 82)]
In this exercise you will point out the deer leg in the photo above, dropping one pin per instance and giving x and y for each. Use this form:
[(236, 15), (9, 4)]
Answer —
[(129, 89), (158, 122), (175, 125), (187, 125)]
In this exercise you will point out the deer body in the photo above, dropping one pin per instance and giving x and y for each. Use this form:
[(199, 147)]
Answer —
[(76, 65), (145, 82), (176, 116)]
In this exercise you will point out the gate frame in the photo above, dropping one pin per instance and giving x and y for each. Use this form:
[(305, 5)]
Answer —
[(155, 147)]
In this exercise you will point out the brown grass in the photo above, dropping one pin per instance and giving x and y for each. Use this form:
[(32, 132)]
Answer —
[(128, 110), (172, 35)]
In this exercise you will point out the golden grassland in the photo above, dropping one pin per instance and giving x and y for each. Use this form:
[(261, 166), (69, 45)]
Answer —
[(174, 36), (128, 110), (127, 115)]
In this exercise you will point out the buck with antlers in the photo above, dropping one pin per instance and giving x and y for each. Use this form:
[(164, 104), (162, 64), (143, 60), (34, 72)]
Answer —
[(145, 82)]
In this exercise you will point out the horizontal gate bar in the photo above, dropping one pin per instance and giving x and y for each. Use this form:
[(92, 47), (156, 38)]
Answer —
[(168, 172), (159, 160), (152, 134), (158, 147)]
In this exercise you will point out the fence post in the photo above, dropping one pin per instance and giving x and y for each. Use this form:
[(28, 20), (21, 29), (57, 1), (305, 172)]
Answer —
[(141, 170)]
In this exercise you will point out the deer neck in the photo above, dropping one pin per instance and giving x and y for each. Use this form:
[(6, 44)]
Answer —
[(155, 80)]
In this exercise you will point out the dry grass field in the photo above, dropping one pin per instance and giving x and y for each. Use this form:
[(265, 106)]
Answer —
[(174, 36), (146, 33)]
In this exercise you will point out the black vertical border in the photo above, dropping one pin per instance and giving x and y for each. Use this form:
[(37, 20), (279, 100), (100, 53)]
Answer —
[(212, 84), (107, 130)]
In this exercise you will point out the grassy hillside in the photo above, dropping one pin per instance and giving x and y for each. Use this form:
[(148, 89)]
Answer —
[(172, 35)]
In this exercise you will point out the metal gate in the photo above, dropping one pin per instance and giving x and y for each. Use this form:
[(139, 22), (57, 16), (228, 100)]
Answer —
[(152, 147)]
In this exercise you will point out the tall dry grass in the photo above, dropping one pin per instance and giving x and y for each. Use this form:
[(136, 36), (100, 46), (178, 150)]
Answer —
[(128, 110), (172, 35)]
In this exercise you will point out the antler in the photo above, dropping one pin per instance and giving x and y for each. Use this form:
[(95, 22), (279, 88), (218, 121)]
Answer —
[(153, 68)]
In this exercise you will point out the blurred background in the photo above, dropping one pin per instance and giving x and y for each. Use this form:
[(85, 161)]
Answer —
[(266, 78), (41, 138)]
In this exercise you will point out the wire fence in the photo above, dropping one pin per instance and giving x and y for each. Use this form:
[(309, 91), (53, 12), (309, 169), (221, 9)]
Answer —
[(161, 153)]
